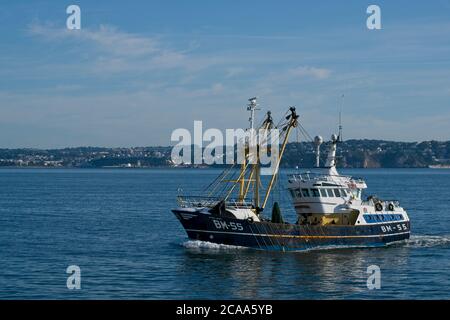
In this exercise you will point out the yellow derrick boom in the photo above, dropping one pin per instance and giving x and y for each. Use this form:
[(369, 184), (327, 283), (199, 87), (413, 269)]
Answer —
[(249, 174)]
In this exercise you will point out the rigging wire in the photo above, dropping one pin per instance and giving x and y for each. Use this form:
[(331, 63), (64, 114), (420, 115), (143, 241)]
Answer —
[(218, 182)]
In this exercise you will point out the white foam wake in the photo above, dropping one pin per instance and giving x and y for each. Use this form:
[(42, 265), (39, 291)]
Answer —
[(416, 241), (205, 245), (427, 241)]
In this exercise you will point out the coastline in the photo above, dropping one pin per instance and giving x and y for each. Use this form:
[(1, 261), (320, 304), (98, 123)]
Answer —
[(212, 167)]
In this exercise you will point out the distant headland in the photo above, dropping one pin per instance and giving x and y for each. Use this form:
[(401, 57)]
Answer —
[(351, 154)]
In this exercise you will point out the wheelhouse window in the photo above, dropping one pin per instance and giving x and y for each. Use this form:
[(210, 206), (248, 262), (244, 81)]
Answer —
[(330, 193), (305, 192), (315, 192), (337, 193), (323, 193), (298, 193)]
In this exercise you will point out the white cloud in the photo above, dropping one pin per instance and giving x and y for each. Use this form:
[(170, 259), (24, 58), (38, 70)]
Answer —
[(217, 88), (234, 71), (114, 51), (169, 59), (106, 38), (142, 76), (307, 71)]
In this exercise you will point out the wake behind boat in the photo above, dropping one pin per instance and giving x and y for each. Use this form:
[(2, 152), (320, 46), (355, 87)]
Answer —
[(329, 206)]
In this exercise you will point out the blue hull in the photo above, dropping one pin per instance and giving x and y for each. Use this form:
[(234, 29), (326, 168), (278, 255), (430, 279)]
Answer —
[(287, 237)]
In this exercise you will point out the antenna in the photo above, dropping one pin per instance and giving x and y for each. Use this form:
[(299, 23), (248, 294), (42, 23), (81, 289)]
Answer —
[(340, 119), (252, 106), (318, 140)]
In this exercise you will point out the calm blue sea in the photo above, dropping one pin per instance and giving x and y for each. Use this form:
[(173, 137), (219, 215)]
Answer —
[(116, 225)]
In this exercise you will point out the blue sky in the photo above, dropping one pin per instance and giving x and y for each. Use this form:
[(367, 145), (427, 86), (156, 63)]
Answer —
[(140, 69)]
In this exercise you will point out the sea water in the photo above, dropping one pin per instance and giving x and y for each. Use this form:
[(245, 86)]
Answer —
[(117, 227)]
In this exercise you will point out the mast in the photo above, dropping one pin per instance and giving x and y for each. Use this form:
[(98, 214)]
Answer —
[(255, 171), (267, 124), (318, 140), (254, 175), (331, 158), (340, 119), (252, 107), (255, 167), (292, 117), (256, 183)]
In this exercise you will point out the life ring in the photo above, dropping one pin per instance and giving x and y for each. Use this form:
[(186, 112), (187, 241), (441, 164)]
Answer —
[(378, 206), (391, 206)]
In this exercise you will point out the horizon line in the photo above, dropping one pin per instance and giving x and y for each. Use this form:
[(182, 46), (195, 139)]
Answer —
[(170, 146)]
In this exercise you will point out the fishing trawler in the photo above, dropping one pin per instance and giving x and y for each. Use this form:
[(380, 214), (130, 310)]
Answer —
[(330, 208)]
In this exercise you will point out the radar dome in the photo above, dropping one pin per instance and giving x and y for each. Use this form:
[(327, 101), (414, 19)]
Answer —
[(318, 140)]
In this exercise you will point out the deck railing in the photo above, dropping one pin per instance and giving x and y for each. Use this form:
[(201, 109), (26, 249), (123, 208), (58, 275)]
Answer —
[(307, 176), (209, 202)]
